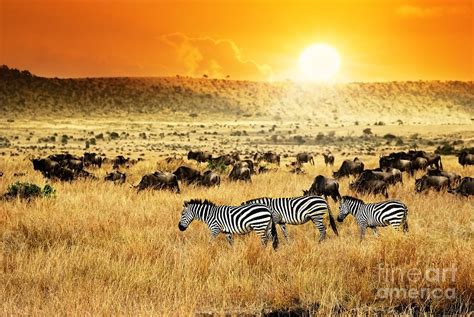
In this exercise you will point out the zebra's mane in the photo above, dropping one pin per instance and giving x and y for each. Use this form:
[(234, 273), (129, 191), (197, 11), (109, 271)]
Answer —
[(199, 202), (253, 200), (350, 198)]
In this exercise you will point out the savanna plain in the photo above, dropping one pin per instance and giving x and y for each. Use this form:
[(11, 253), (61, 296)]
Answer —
[(100, 248)]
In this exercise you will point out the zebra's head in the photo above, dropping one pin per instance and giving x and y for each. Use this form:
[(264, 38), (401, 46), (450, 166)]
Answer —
[(343, 210), (347, 206), (186, 217), (193, 209)]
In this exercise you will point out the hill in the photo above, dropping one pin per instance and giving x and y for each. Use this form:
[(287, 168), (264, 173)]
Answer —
[(25, 95)]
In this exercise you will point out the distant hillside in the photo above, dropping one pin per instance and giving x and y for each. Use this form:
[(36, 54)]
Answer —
[(25, 95)]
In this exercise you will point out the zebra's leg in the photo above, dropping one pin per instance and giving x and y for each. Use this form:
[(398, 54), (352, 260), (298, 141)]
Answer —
[(374, 230), (230, 238), (318, 222), (283, 229), (363, 229)]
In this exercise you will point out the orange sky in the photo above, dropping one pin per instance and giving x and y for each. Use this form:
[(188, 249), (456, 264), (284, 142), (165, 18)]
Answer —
[(377, 40)]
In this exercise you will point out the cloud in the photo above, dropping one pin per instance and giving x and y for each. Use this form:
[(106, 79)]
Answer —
[(217, 58), (428, 12)]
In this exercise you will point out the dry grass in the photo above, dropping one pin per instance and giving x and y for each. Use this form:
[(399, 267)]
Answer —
[(98, 248)]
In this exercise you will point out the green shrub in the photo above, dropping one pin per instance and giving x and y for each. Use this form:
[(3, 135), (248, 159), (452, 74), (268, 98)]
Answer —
[(28, 191)]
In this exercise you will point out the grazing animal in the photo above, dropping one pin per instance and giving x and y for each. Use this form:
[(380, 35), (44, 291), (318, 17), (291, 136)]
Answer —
[(159, 180), (64, 174), (240, 174), (231, 220), (47, 166), (120, 160), (92, 159), (209, 179), (324, 186), (1, 174), (297, 211), (73, 164), (400, 164), (187, 175), (304, 158), (116, 177), (453, 177), (269, 157), (381, 214), (419, 163), (246, 163), (435, 182), (465, 187), (465, 158), (199, 156), (328, 159), (372, 186), (222, 160), (434, 160), (349, 167), (389, 175)]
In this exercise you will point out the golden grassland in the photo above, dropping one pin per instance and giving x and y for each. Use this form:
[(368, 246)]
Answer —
[(99, 248)]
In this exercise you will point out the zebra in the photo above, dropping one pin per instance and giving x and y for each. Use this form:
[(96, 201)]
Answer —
[(231, 219), (297, 211), (381, 214)]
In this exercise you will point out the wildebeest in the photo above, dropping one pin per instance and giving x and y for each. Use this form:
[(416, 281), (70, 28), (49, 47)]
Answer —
[(304, 158), (240, 174), (159, 180), (73, 164), (391, 175), (328, 159), (187, 175), (46, 166), (419, 163), (465, 187), (223, 159), (401, 164), (210, 178), (116, 177), (434, 160), (324, 186), (92, 159), (349, 167), (370, 187), (465, 158), (120, 160), (453, 177), (247, 163), (269, 157), (199, 156), (435, 182)]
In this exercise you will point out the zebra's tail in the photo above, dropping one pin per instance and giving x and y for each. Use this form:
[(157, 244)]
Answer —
[(405, 221), (332, 222), (274, 235)]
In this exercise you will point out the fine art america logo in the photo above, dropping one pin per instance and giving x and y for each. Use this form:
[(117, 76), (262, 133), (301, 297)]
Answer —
[(432, 280)]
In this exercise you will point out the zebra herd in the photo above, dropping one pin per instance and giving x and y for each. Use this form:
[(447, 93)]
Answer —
[(262, 214)]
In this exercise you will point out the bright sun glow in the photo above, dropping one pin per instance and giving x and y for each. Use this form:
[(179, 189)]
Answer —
[(319, 62)]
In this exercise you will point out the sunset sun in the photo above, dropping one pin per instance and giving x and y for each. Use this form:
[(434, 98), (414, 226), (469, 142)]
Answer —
[(319, 62)]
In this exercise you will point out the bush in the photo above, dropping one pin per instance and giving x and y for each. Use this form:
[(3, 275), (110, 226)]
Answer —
[(28, 191), (445, 149), (389, 136), (219, 167)]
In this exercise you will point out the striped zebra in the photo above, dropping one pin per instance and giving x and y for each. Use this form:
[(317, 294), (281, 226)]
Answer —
[(297, 211), (382, 214), (231, 219)]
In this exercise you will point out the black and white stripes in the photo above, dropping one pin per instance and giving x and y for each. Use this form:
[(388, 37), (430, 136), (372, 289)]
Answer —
[(297, 211), (231, 219), (381, 214)]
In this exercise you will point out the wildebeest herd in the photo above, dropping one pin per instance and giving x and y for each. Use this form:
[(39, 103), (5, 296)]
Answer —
[(262, 214)]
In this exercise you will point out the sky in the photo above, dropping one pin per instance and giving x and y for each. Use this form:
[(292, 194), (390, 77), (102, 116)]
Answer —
[(377, 40)]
